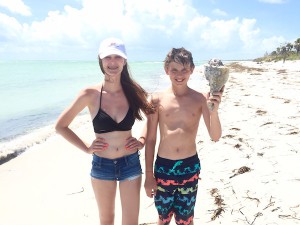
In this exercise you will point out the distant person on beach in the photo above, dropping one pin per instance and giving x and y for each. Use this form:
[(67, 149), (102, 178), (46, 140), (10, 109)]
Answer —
[(173, 181), (114, 105)]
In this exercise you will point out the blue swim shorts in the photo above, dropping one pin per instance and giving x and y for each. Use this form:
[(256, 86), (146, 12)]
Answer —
[(119, 169), (177, 186)]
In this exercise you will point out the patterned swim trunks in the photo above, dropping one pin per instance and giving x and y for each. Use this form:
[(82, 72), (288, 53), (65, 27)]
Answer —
[(177, 185)]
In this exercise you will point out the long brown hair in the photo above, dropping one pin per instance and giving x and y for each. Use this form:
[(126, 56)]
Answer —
[(135, 94)]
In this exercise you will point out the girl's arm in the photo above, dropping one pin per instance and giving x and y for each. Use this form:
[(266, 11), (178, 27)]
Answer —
[(68, 115)]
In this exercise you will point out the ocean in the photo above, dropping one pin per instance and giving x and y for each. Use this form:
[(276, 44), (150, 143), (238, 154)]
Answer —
[(34, 93)]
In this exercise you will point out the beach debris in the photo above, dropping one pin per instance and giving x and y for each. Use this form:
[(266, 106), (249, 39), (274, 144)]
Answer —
[(292, 133), (273, 210), (239, 171), (267, 123), (149, 205), (255, 216), (214, 191), (255, 73), (288, 217), (228, 136), (271, 203), (237, 146), (218, 199), (255, 199), (239, 68), (9, 155), (281, 71), (219, 202), (217, 75), (77, 192), (261, 112), (294, 214), (148, 223), (217, 213)]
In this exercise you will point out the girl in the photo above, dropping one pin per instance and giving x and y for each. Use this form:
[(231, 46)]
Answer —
[(114, 105)]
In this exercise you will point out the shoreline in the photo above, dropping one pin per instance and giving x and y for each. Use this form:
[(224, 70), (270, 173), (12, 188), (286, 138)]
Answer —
[(21, 143), (250, 176)]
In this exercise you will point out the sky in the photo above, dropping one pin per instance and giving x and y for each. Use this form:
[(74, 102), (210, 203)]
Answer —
[(73, 29)]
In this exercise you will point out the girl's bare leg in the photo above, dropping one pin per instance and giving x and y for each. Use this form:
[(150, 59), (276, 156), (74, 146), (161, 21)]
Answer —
[(130, 200), (105, 193)]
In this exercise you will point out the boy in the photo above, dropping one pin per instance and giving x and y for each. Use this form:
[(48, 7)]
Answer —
[(174, 181)]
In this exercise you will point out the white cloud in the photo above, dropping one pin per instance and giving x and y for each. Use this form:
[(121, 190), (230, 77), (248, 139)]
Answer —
[(16, 6), (212, 34), (248, 33), (271, 44), (9, 27), (219, 12), (146, 26)]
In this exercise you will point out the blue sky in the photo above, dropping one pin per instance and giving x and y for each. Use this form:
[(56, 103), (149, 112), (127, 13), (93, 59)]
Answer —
[(73, 29)]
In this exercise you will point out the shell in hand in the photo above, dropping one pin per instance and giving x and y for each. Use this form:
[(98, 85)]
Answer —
[(217, 75)]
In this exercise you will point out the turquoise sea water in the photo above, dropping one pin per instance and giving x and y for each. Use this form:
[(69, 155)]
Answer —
[(34, 93)]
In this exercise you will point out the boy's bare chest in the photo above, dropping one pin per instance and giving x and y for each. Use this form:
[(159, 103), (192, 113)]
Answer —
[(179, 110)]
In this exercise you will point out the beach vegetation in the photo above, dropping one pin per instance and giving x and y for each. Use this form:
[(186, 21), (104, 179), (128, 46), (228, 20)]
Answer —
[(286, 51)]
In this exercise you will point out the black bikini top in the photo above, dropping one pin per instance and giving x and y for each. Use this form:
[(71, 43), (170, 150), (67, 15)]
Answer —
[(103, 123)]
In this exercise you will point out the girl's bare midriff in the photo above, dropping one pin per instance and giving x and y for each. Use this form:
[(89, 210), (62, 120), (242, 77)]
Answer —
[(116, 141)]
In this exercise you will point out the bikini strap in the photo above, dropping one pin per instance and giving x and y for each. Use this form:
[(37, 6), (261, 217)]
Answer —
[(101, 96)]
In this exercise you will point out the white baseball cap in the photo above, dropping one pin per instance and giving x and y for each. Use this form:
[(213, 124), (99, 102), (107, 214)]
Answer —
[(112, 46)]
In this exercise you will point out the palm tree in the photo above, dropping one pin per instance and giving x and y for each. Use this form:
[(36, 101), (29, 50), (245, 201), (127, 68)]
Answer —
[(278, 50), (289, 47), (297, 45), (283, 52)]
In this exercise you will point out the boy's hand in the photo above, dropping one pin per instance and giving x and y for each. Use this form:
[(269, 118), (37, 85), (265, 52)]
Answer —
[(150, 186), (215, 99)]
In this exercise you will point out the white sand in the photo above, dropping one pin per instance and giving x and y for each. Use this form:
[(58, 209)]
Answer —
[(49, 184)]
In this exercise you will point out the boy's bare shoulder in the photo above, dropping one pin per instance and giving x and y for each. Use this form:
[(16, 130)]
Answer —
[(199, 96), (154, 99)]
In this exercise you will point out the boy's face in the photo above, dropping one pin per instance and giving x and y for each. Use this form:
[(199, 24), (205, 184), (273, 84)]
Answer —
[(179, 74)]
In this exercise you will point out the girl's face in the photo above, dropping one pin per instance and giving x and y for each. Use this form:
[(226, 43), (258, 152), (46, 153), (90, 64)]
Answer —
[(178, 73), (113, 64)]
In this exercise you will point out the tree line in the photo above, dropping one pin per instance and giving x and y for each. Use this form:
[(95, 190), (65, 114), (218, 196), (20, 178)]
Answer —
[(287, 51)]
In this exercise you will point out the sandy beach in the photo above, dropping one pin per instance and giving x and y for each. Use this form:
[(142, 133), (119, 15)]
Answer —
[(251, 176)]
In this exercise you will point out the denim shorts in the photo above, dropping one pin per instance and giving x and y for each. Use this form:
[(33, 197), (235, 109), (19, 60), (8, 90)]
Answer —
[(119, 169)]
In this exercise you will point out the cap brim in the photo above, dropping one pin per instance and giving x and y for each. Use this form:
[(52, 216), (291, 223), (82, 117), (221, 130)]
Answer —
[(112, 52)]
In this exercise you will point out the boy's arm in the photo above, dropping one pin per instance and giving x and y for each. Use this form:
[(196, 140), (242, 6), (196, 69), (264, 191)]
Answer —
[(152, 123), (143, 136), (211, 118), (215, 126)]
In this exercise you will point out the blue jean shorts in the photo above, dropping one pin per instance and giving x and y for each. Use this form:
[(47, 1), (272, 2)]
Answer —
[(119, 169)]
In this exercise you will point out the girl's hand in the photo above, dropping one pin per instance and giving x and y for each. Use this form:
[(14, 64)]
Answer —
[(98, 145), (133, 144)]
